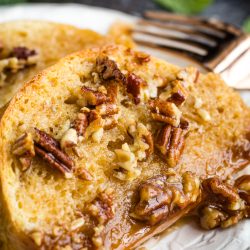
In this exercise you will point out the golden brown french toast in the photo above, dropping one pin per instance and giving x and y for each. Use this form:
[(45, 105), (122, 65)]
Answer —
[(26, 47), (109, 147)]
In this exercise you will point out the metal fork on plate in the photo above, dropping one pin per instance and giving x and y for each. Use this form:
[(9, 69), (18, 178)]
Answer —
[(219, 47)]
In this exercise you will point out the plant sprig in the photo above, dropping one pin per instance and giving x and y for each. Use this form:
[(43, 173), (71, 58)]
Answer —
[(185, 6)]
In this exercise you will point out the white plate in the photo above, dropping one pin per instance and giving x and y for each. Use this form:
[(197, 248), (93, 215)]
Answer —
[(188, 236)]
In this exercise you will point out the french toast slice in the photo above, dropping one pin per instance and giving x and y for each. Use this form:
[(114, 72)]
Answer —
[(108, 147), (26, 47)]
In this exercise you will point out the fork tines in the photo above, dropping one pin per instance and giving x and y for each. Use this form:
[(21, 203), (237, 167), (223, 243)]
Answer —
[(208, 41)]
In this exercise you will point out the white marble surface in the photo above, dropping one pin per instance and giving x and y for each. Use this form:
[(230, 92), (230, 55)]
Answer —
[(189, 236)]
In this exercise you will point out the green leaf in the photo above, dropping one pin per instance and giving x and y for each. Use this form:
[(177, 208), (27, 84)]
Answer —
[(11, 1), (246, 25), (185, 6)]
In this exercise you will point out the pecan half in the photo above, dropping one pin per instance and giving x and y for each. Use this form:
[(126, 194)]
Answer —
[(170, 142), (164, 111), (93, 97), (162, 196), (49, 149), (134, 85), (108, 69), (223, 204), (24, 149), (22, 53)]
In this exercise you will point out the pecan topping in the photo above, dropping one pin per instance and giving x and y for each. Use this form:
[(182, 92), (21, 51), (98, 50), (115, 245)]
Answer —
[(24, 149), (143, 145), (243, 185), (112, 91), (149, 140), (107, 109), (49, 149), (127, 164), (178, 94), (22, 53), (184, 124), (110, 121), (81, 123), (101, 207), (170, 142), (141, 57), (134, 85), (188, 76), (224, 205), (84, 174), (216, 186), (92, 97), (108, 69), (166, 112), (69, 139), (162, 196)]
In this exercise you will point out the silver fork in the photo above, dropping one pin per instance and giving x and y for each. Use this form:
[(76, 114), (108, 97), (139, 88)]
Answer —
[(217, 46)]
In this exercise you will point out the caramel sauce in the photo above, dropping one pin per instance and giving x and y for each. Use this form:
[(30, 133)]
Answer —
[(124, 233)]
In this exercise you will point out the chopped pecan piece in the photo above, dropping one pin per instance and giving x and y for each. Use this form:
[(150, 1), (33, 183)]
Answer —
[(69, 139), (93, 115), (243, 186), (223, 204), (134, 85), (149, 140), (143, 144), (243, 183), (141, 57), (112, 91), (184, 124), (127, 164), (216, 186), (101, 207), (178, 93), (170, 142), (22, 53), (81, 123), (110, 121), (188, 76), (166, 112), (107, 109), (160, 197), (108, 69), (24, 145), (49, 149), (92, 97), (24, 149), (84, 174)]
